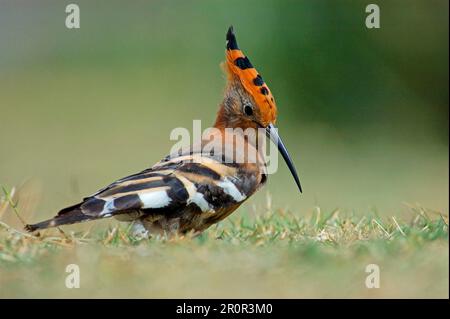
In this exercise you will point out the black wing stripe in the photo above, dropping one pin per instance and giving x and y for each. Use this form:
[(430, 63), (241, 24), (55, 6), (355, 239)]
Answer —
[(200, 169), (177, 192), (127, 202), (148, 173), (93, 206), (135, 187), (151, 174)]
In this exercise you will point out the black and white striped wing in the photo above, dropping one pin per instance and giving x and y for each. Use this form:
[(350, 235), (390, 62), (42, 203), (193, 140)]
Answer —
[(150, 189), (169, 186), (203, 186)]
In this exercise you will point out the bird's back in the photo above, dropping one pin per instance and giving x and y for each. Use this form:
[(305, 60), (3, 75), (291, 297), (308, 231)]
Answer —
[(187, 190)]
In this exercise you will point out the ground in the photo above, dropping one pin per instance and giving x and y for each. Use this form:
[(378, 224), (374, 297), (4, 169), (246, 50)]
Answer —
[(267, 254)]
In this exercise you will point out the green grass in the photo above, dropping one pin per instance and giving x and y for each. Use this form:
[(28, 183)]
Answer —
[(80, 109), (273, 253)]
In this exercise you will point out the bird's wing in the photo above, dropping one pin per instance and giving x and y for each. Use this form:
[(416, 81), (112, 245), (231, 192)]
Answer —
[(152, 188), (170, 185), (205, 183)]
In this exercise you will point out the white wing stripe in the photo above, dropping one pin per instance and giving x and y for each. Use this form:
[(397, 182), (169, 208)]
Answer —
[(156, 199), (201, 202), (231, 189), (108, 208)]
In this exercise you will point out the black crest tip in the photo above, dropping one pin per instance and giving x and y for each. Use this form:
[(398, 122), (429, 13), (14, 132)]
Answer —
[(231, 40)]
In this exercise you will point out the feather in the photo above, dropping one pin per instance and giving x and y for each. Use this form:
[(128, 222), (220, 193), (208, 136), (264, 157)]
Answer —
[(239, 66)]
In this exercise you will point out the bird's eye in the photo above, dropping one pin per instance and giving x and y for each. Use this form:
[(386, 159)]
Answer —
[(248, 110)]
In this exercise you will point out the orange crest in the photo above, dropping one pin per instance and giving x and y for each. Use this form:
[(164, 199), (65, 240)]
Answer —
[(239, 65)]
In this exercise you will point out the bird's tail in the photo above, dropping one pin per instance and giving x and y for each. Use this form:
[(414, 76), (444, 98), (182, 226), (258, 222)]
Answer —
[(69, 215)]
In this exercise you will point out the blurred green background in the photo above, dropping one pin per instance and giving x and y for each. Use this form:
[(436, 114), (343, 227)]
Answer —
[(364, 112)]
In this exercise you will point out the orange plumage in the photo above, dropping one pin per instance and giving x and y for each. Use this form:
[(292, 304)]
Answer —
[(240, 66)]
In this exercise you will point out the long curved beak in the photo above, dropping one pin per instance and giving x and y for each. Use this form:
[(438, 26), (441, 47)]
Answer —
[(272, 133)]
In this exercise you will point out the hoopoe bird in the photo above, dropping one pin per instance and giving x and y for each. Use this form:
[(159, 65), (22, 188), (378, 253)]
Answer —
[(192, 189)]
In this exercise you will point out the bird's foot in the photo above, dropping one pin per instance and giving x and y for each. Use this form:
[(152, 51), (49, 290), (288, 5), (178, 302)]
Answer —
[(138, 231)]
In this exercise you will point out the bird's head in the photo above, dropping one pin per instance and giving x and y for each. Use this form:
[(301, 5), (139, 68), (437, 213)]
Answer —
[(248, 101)]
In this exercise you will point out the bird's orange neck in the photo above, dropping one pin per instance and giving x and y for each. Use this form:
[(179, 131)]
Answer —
[(221, 119)]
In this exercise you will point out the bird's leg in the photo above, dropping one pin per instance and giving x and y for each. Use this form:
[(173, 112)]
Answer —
[(139, 231)]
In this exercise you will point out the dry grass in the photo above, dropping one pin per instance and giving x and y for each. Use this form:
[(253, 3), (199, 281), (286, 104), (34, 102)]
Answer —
[(273, 254)]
